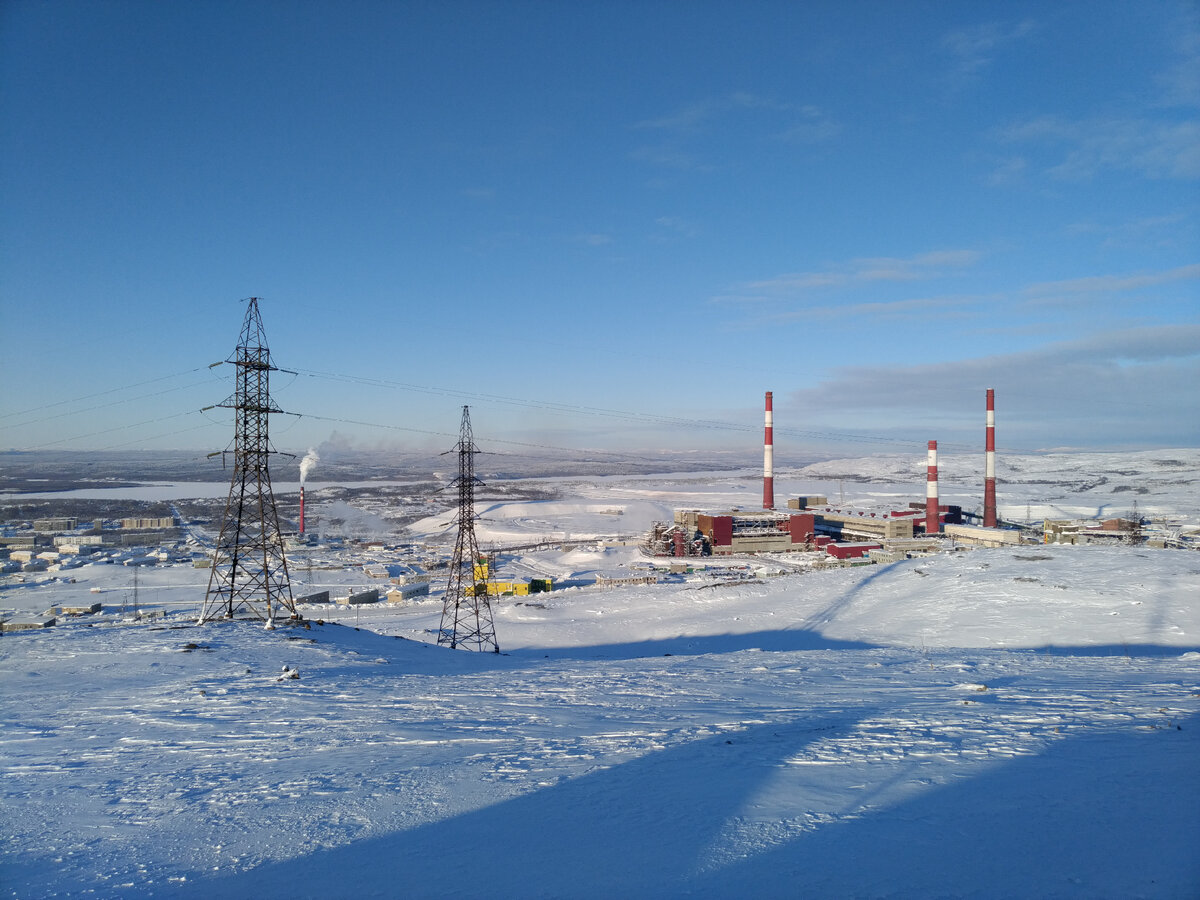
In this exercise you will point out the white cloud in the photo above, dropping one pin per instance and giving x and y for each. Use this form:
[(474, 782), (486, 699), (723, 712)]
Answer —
[(1171, 230), (695, 115), (799, 281), (921, 267), (974, 48), (1121, 388), (1181, 78), (1010, 170), (670, 157), (1088, 147), (594, 239), (678, 226), (1115, 283), (813, 126), (806, 124), (884, 309)]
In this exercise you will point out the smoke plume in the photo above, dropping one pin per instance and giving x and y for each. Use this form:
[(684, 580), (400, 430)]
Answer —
[(306, 465)]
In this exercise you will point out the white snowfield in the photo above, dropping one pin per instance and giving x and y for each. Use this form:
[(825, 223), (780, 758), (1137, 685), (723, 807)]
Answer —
[(993, 723)]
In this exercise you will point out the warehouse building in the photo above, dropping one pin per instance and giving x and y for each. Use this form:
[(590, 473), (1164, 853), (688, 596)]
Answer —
[(697, 533)]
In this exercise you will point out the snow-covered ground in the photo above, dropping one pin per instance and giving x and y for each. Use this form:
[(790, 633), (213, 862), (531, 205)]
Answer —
[(992, 723)]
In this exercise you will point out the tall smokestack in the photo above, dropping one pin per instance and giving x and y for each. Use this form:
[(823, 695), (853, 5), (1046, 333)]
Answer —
[(989, 472), (933, 524), (311, 458), (768, 461)]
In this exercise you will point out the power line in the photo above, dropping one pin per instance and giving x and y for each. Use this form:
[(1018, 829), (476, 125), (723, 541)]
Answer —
[(533, 446), (105, 393), (658, 419), (155, 437), (79, 437), (77, 412), (626, 415)]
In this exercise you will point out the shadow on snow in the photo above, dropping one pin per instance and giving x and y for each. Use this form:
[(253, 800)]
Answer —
[(1034, 825)]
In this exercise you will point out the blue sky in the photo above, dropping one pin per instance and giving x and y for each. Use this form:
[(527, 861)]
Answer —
[(656, 210)]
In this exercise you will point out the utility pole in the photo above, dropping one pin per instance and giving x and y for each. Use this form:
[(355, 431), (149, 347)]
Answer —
[(249, 571), (467, 614)]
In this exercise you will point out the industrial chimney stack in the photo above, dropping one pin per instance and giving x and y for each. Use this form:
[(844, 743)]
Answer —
[(933, 523), (768, 461), (302, 510), (989, 474)]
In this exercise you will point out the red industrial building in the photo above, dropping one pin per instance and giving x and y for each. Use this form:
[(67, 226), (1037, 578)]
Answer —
[(851, 551), (737, 532)]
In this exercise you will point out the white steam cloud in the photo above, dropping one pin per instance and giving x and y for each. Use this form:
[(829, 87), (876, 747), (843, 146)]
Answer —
[(311, 458)]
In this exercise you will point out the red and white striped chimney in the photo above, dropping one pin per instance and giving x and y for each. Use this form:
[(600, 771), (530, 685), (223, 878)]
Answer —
[(768, 460), (302, 509), (989, 472), (933, 522)]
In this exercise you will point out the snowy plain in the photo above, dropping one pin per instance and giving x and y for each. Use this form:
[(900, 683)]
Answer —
[(984, 723)]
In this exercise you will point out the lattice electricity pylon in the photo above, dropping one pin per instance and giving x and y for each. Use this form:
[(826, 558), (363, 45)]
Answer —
[(249, 572), (467, 615)]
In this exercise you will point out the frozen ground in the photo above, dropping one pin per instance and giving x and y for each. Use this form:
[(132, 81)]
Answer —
[(993, 723)]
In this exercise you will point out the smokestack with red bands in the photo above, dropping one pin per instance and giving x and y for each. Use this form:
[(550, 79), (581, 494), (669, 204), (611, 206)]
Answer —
[(933, 523), (989, 473), (768, 461)]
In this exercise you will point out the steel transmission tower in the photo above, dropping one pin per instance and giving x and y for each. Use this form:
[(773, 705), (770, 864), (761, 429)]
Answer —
[(467, 614), (249, 572)]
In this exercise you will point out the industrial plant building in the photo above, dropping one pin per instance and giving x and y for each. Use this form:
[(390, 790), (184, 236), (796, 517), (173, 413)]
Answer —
[(810, 523), (803, 527)]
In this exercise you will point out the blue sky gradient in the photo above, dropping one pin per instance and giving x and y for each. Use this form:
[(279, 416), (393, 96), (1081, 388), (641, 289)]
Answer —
[(876, 210)]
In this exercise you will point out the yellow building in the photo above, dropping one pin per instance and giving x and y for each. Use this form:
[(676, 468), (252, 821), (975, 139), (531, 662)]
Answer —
[(513, 588)]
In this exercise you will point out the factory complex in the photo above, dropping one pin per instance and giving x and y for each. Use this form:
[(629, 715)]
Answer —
[(884, 534), (812, 524)]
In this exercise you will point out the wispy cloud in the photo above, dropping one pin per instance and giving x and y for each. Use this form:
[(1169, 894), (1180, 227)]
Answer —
[(679, 227), (1181, 78), (974, 48), (1170, 230), (1010, 170), (1114, 283), (683, 128), (1155, 148), (1103, 389), (811, 126), (593, 239), (923, 266), (671, 157), (700, 113), (1133, 227), (885, 309)]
